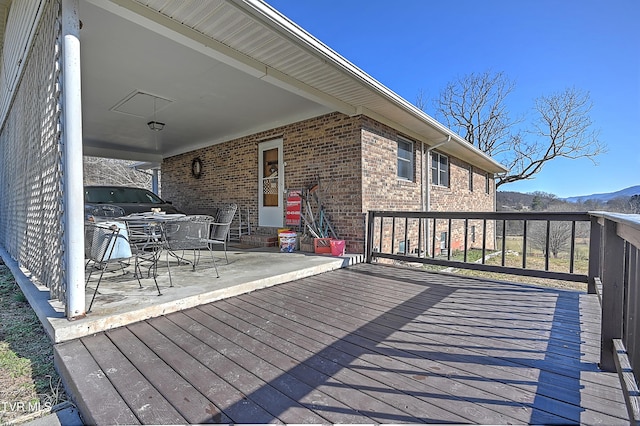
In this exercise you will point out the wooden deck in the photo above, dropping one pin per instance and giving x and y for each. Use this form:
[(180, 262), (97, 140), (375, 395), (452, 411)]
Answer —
[(366, 344)]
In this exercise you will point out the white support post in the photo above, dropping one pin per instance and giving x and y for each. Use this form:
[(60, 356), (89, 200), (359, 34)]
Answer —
[(73, 216), (154, 182)]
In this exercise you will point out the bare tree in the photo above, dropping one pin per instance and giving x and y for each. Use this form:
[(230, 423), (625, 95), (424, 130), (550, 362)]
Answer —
[(421, 100), (475, 107), (634, 203), (559, 236), (560, 233), (110, 171), (624, 205)]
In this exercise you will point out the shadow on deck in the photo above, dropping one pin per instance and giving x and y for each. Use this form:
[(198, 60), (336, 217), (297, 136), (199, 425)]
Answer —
[(365, 344)]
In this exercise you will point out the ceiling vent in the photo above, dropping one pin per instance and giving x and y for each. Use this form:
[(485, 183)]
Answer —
[(141, 104)]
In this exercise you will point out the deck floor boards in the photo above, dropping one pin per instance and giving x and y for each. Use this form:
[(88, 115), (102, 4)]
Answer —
[(365, 344)]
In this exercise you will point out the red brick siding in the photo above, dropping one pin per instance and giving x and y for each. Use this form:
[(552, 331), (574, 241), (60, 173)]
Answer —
[(381, 187), (354, 158), (325, 148), (457, 196)]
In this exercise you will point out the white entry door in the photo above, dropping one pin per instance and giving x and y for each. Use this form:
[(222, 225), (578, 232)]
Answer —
[(270, 184)]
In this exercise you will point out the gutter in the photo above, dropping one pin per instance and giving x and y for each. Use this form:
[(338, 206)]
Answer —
[(426, 155), (427, 207)]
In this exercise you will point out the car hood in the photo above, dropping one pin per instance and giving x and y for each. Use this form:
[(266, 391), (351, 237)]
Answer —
[(130, 208)]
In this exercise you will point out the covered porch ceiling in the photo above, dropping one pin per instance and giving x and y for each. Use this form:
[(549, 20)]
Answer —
[(129, 71), (218, 70)]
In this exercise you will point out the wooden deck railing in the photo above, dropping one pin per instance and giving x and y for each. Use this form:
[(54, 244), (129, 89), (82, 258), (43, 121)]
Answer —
[(609, 266), (390, 233), (615, 241)]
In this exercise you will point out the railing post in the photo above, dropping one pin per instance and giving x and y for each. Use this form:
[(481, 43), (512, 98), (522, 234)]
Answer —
[(369, 236), (595, 244), (633, 311), (612, 294)]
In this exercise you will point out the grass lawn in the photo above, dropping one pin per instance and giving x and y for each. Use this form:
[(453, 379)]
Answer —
[(535, 260), (29, 384)]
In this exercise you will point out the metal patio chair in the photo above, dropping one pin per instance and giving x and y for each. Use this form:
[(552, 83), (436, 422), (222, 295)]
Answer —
[(191, 233), (106, 248), (147, 240), (221, 226)]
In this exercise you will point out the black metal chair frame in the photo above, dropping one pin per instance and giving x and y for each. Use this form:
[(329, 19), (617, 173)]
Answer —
[(147, 239)]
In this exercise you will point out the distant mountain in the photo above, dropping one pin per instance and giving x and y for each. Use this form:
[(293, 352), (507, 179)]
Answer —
[(627, 192)]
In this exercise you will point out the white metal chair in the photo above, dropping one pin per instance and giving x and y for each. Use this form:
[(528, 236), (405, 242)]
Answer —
[(241, 225), (191, 233), (106, 247), (221, 226)]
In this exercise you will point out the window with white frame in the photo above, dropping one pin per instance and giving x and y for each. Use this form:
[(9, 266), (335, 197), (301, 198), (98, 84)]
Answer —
[(439, 169), (405, 159)]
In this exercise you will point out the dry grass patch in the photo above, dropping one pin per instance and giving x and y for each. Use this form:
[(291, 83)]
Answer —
[(29, 384), (533, 262)]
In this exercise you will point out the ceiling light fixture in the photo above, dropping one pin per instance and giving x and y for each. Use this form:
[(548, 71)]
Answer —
[(155, 125)]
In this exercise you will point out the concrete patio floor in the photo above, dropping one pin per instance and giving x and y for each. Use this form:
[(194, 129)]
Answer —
[(121, 301)]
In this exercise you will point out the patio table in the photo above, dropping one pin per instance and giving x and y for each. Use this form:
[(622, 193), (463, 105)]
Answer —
[(148, 237)]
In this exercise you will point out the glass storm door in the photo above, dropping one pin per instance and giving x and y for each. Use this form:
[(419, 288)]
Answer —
[(270, 184)]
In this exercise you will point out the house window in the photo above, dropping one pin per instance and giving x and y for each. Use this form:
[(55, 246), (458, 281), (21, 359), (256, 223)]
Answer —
[(487, 186), (473, 233), (405, 159), (439, 169), (470, 178)]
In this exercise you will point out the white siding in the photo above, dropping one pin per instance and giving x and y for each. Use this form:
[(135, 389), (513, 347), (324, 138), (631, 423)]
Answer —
[(22, 19)]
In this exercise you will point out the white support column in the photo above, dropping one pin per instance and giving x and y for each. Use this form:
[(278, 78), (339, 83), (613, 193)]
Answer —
[(155, 187), (73, 218)]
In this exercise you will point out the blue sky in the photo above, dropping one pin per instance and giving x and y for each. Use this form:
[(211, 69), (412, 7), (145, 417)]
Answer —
[(545, 46)]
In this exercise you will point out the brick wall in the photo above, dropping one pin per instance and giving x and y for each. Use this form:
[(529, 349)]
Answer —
[(381, 187), (353, 158), (458, 197), (324, 149)]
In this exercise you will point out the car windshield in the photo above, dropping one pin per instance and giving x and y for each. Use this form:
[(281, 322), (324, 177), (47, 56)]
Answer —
[(120, 195)]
